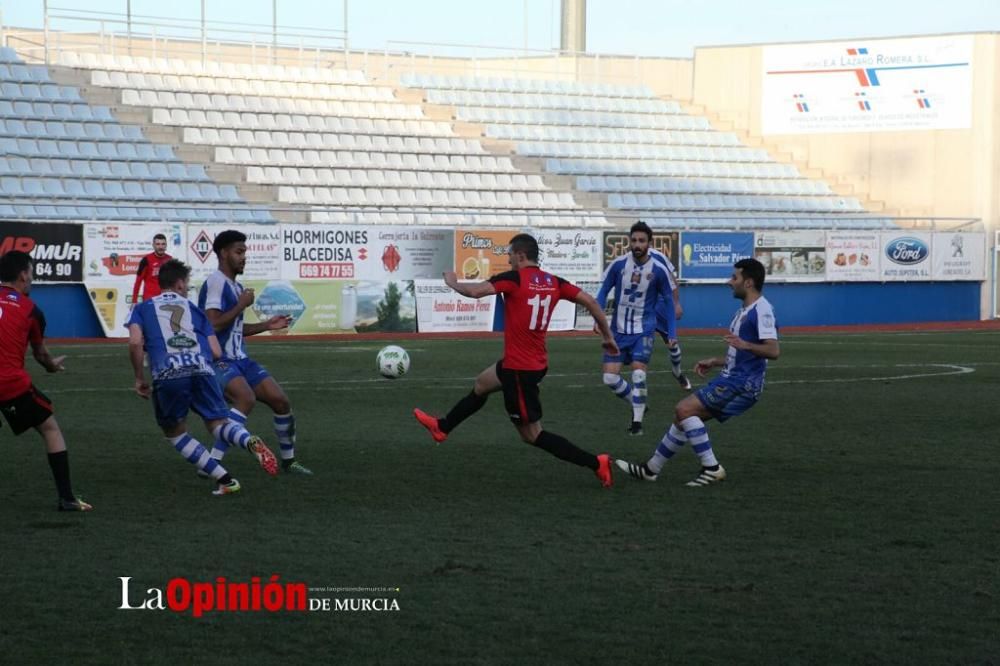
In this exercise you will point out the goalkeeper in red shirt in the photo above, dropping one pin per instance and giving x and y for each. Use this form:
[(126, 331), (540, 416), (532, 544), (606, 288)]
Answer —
[(148, 274)]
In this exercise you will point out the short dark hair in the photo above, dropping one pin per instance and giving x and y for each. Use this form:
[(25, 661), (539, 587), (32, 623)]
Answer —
[(171, 271), (643, 227), (753, 270), (227, 238), (13, 264), (525, 243), (160, 237)]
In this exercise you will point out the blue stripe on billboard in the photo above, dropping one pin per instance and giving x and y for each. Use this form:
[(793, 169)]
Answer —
[(710, 256)]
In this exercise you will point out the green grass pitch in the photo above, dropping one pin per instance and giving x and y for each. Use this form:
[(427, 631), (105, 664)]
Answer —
[(859, 523)]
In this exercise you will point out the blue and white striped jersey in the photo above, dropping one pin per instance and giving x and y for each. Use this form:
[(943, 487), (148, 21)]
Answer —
[(176, 336), (637, 290), (671, 269), (220, 293), (753, 324)]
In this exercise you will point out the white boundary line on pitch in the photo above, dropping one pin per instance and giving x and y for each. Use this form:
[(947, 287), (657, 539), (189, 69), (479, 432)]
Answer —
[(452, 382)]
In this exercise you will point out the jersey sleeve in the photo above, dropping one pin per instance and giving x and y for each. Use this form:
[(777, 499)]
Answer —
[(135, 317), (608, 283), (668, 265), (663, 281), (210, 294), (202, 325), (506, 283), (143, 265), (567, 290), (767, 326), (671, 275), (36, 325)]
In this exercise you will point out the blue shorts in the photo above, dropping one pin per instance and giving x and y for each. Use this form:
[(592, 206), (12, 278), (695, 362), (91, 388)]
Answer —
[(227, 370), (172, 398), (725, 397), (666, 320), (633, 348)]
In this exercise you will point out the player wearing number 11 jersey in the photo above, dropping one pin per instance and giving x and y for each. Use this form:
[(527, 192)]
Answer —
[(530, 297)]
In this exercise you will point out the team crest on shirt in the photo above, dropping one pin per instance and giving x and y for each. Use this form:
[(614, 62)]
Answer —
[(767, 320)]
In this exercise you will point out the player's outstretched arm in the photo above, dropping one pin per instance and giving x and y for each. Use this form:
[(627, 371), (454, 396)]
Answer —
[(275, 323), (135, 354), (44, 357), (600, 320), (469, 289), (702, 367), (768, 349), (140, 275)]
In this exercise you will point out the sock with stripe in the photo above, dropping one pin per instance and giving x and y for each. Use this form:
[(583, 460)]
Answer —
[(284, 430), (192, 451), (564, 449), (462, 410), (672, 442), (221, 446), (675, 360), (618, 385), (638, 394), (233, 434), (697, 434)]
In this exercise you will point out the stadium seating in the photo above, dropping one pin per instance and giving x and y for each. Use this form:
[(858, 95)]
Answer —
[(63, 158), (328, 145), (345, 149), (645, 155)]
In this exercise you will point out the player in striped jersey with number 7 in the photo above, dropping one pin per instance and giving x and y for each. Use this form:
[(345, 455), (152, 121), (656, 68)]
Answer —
[(530, 297)]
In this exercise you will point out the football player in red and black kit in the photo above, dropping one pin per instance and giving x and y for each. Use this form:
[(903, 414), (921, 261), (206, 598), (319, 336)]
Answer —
[(530, 297), (23, 405), (148, 275)]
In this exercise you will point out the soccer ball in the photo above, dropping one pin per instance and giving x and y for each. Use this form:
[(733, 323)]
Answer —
[(393, 362)]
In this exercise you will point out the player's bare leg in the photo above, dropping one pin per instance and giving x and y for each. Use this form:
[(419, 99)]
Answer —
[(271, 394), (240, 395), (55, 447), (562, 448), (487, 382)]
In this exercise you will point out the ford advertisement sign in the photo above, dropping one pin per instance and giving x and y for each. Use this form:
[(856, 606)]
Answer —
[(906, 251), (906, 255)]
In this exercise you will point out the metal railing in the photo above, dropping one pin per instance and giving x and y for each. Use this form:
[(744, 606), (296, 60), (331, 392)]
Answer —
[(660, 220), (81, 30), (479, 60)]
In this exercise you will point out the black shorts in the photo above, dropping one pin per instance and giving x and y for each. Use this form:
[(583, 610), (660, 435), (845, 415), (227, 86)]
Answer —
[(27, 410), (520, 393)]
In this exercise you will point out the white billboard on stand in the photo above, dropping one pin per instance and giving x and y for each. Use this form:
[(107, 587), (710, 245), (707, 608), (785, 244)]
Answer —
[(959, 256), (867, 85)]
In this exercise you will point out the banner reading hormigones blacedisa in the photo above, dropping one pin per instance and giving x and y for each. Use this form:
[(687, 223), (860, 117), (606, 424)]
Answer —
[(330, 279)]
